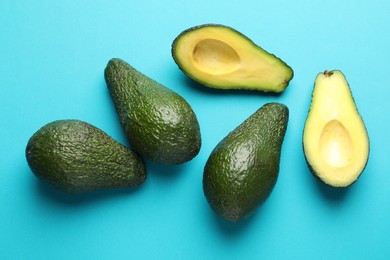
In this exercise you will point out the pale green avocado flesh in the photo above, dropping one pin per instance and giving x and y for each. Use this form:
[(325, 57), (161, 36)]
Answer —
[(220, 57), (335, 139)]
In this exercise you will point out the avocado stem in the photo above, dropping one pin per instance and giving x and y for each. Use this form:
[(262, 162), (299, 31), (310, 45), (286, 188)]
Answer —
[(328, 73)]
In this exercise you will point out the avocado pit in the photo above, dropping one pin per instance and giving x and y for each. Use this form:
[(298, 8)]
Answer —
[(336, 144), (335, 140), (219, 56), (215, 57)]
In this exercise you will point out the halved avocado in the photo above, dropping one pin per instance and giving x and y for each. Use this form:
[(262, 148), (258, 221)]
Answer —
[(335, 140), (220, 57)]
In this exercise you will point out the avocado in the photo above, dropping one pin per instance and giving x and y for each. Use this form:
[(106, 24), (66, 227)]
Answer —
[(335, 140), (220, 57), (243, 168), (159, 124), (75, 156)]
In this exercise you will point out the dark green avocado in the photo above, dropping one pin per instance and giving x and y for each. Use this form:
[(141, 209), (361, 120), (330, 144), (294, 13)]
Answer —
[(75, 156), (243, 168), (159, 124)]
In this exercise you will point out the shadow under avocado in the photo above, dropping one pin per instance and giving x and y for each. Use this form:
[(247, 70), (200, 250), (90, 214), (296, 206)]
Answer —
[(165, 175), (228, 229), (332, 194), (51, 194), (233, 229)]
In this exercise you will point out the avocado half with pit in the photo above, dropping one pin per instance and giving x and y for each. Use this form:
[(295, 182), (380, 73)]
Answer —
[(335, 140), (220, 57)]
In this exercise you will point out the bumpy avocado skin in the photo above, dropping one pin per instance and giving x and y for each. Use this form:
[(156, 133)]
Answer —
[(159, 124), (75, 156), (243, 168)]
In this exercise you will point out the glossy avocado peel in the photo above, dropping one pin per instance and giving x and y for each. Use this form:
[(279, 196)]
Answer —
[(335, 140), (243, 168), (220, 57), (159, 124), (75, 156)]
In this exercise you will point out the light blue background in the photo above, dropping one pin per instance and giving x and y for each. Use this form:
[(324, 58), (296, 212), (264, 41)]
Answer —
[(52, 57)]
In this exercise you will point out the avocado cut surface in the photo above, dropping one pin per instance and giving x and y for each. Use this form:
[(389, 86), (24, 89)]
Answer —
[(75, 156), (335, 140), (243, 168), (159, 124), (219, 56)]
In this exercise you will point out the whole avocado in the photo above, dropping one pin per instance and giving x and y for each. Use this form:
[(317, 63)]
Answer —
[(243, 168), (75, 156), (159, 124)]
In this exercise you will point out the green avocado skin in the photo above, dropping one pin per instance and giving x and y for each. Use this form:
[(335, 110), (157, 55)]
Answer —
[(159, 124), (243, 168), (75, 156)]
